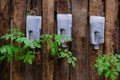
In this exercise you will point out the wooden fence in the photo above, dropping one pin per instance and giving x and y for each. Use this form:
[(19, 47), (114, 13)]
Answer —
[(13, 14)]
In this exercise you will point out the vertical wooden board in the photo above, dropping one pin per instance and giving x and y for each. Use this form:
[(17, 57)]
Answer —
[(48, 28), (61, 70), (34, 71), (19, 16), (80, 42), (34, 7), (61, 67), (39, 6), (111, 19), (118, 32), (62, 6), (111, 12), (118, 35), (96, 9), (4, 26)]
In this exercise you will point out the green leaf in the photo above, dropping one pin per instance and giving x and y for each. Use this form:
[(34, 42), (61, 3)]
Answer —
[(62, 54), (9, 50), (31, 46), (69, 60), (74, 58), (37, 43), (107, 74), (113, 77), (9, 58), (73, 64), (65, 50), (100, 70), (22, 39), (28, 57), (2, 58), (20, 34), (30, 61), (15, 50), (53, 52), (3, 49), (22, 57), (23, 48)]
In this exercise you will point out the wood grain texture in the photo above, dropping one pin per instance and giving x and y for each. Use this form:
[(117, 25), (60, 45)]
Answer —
[(19, 16), (34, 71), (111, 19), (48, 28), (118, 29), (34, 7), (4, 26), (62, 6), (79, 34), (61, 66), (111, 12), (43, 67), (95, 9), (39, 6)]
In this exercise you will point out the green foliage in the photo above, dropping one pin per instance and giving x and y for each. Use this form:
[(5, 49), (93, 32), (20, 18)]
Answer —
[(7, 51), (28, 57), (19, 52), (25, 50), (109, 65), (56, 49)]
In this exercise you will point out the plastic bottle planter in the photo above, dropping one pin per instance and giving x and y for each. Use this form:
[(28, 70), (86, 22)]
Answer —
[(64, 22), (97, 26), (33, 27)]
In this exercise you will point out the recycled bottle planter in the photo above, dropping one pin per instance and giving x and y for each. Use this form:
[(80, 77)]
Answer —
[(33, 27), (64, 26), (97, 26)]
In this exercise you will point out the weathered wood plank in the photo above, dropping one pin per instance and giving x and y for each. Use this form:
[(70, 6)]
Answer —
[(79, 45), (111, 11), (96, 9), (85, 69), (111, 19), (118, 35), (19, 16), (4, 26), (62, 6), (48, 27), (34, 7), (118, 31), (39, 6), (61, 67), (34, 71)]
